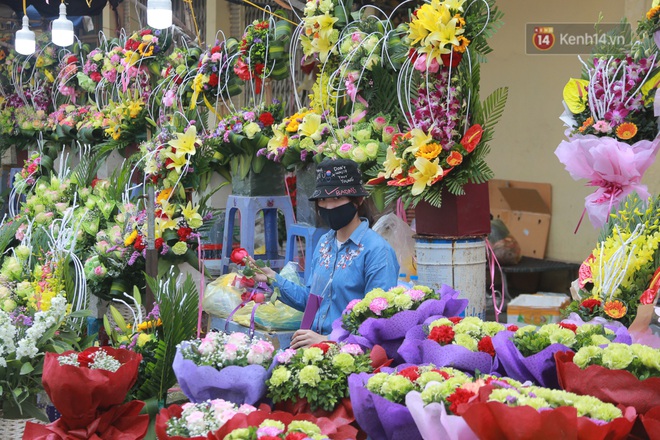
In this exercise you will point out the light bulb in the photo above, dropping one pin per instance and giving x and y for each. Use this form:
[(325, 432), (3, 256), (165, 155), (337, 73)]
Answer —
[(26, 42), (63, 29), (159, 13)]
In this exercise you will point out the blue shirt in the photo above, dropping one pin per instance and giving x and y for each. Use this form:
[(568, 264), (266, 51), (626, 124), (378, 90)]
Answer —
[(341, 274)]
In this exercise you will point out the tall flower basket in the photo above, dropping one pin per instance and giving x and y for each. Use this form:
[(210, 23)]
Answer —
[(267, 182), (305, 184)]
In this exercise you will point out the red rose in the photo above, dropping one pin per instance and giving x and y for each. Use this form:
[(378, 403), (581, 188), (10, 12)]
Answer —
[(459, 396), (72, 59), (139, 244), (159, 243), (512, 328), (95, 76), (324, 346), (411, 373), (486, 345), (591, 304), (84, 359), (145, 32), (215, 49), (569, 326), (293, 436), (259, 298), (442, 334), (213, 80), (267, 119), (455, 319), (238, 256), (183, 233), (246, 282)]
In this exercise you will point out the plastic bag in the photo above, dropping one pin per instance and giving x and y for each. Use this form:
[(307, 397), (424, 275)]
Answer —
[(505, 246), (221, 298), (400, 236)]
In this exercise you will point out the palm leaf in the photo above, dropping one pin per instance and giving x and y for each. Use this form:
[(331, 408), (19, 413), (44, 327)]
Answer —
[(493, 107)]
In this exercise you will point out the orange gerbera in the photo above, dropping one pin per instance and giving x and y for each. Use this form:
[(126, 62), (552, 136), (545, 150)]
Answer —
[(626, 131), (615, 309), (586, 124), (652, 12), (454, 159)]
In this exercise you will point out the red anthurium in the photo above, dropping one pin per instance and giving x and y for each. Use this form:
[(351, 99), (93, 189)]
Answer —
[(472, 137)]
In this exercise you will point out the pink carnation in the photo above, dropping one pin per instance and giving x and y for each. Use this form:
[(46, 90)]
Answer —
[(378, 305), (415, 295), (353, 349), (351, 304), (285, 356)]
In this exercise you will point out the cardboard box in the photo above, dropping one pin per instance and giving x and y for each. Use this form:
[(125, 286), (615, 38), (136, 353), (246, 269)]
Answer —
[(525, 208), (536, 309)]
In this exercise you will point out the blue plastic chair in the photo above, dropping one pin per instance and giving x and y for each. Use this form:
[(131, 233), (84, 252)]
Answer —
[(249, 207)]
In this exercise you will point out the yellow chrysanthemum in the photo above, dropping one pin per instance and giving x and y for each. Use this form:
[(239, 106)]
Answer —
[(429, 151)]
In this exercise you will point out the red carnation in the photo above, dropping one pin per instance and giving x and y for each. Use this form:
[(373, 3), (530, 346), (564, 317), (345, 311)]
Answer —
[(238, 256), (455, 319), (591, 304), (324, 346), (512, 328), (569, 326), (72, 59), (215, 49), (95, 76), (139, 244), (442, 334), (159, 243), (293, 436), (267, 119), (213, 80), (184, 232), (411, 373), (486, 345), (460, 396)]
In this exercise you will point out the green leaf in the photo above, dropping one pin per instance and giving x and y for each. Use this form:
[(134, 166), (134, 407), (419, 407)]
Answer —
[(493, 107), (26, 368), (119, 320), (81, 314), (151, 121)]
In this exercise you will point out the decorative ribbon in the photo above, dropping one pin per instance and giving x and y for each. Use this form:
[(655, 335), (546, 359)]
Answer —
[(258, 288), (400, 212), (202, 286), (210, 107), (492, 260)]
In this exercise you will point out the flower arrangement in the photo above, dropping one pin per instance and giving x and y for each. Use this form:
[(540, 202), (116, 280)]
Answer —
[(379, 303), (198, 419), (91, 74), (275, 429), (215, 78), (618, 276), (317, 374), (471, 333), (641, 360), (29, 174), (322, 23), (531, 339), (220, 350)]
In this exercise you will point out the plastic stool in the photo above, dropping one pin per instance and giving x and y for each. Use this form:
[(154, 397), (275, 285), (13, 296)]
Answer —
[(311, 236), (248, 207)]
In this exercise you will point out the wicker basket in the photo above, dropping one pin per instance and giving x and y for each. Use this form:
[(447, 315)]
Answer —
[(125, 313), (12, 429)]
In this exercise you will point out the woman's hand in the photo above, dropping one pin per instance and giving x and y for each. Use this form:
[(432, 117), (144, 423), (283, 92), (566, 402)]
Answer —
[(261, 274), (305, 338)]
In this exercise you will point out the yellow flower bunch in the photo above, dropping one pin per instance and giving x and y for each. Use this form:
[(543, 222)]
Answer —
[(323, 99), (437, 28)]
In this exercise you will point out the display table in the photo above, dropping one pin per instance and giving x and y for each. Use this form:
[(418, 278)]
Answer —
[(279, 339), (535, 265)]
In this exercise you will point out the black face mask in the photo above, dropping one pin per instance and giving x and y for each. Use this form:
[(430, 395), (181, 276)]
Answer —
[(337, 218)]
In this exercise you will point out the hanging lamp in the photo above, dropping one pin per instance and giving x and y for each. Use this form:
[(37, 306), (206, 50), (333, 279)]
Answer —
[(26, 42), (159, 13), (62, 29)]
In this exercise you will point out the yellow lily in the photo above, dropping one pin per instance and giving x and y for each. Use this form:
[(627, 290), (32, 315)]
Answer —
[(651, 84), (392, 164), (178, 161), (279, 140), (311, 126), (185, 142), (425, 173), (575, 95), (191, 215), (454, 5), (419, 138), (167, 208), (161, 225)]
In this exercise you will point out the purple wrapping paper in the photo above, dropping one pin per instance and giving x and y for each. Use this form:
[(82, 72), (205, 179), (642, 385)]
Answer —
[(235, 384), (433, 421), (377, 416), (313, 304), (389, 333), (539, 368), (417, 349)]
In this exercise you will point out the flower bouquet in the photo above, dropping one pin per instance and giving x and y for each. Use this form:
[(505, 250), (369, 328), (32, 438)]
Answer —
[(383, 317), (314, 379), (618, 276), (322, 24), (528, 353), (543, 413), (224, 366), (618, 373), (612, 128), (196, 420), (88, 389), (214, 79), (462, 343), (379, 401)]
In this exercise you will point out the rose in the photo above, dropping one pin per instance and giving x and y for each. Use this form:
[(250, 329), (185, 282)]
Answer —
[(238, 256)]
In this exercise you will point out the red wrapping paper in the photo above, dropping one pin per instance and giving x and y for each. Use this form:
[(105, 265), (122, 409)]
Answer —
[(614, 386), (651, 422), (495, 421), (161, 423), (328, 427), (122, 422), (341, 415), (81, 394), (379, 359)]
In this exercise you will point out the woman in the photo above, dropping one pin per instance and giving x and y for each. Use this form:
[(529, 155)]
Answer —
[(349, 260)]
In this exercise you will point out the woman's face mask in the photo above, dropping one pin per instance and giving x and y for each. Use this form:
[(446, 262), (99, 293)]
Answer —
[(338, 217)]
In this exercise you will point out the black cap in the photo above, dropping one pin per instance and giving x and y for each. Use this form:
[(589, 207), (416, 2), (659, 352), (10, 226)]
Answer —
[(338, 178)]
